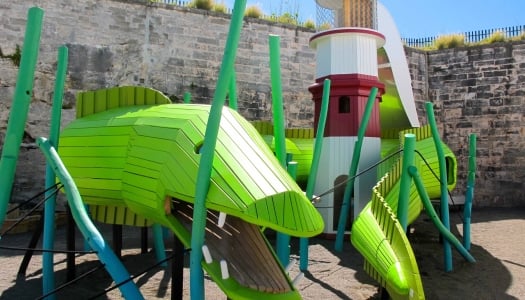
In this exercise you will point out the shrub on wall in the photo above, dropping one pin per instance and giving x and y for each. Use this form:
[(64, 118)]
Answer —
[(201, 4), (449, 41), (220, 7), (253, 11)]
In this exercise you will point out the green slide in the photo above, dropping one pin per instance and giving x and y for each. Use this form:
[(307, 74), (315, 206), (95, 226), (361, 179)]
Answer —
[(378, 235)]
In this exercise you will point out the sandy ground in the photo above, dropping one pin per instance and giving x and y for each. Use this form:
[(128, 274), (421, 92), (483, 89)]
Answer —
[(498, 244)]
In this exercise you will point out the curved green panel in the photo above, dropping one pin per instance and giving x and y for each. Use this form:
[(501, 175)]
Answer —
[(378, 236), (148, 153)]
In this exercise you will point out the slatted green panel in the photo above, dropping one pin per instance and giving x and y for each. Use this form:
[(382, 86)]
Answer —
[(299, 133), (162, 159), (379, 237), (91, 102)]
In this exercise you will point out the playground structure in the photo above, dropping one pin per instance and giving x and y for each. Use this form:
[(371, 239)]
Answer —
[(116, 131)]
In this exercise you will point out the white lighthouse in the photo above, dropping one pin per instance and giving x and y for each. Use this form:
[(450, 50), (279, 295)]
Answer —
[(347, 55)]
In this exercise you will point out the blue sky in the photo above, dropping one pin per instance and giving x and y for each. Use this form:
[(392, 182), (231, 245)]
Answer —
[(422, 18)]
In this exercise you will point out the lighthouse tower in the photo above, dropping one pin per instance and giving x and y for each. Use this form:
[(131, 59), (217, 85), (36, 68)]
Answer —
[(347, 55)]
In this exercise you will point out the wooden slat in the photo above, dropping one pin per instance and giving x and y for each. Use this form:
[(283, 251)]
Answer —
[(241, 244)]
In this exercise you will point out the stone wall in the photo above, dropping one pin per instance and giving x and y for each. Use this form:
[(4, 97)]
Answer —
[(480, 90), (177, 50)]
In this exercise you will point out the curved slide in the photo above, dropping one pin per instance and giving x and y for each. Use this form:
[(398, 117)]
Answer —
[(378, 235)]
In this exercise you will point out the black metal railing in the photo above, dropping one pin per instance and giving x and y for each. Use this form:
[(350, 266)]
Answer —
[(470, 37)]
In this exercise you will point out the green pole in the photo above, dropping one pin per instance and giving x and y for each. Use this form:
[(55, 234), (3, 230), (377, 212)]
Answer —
[(283, 240), (404, 184), (187, 97), (314, 168), (429, 208), (471, 178), (107, 257), (20, 106), (208, 150), (277, 99), (233, 92), (48, 277), (345, 206), (447, 250)]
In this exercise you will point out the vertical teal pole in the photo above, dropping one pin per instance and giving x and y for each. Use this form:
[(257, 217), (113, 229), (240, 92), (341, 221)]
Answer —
[(427, 204), (283, 240), (208, 150), (233, 92), (404, 185), (471, 177), (312, 176), (113, 265), (187, 97), (356, 155), (48, 277), (447, 249), (20, 106)]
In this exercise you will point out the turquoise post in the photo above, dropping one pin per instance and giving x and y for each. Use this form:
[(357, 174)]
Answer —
[(208, 151), (283, 240), (110, 261), (404, 184), (20, 106), (447, 250), (187, 97), (48, 276), (345, 206), (429, 208), (233, 92), (471, 177), (312, 176)]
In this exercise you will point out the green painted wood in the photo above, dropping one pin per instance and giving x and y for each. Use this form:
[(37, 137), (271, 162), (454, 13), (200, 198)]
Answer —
[(246, 179)]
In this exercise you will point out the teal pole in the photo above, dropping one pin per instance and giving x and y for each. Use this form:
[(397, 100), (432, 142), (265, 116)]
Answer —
[(345, 206), (445, 232), (110, 261), (283, 240), (447, 250), (233, 92), (20, 106), (208, 150), (404, 184), (48, 277), (314, 168), (471, 177), (187, 97)]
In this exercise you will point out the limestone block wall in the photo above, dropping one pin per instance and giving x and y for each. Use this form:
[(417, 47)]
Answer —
[(481, 90)]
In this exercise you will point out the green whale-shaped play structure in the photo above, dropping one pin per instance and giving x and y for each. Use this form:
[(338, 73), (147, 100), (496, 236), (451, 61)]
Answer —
[(123, 153)]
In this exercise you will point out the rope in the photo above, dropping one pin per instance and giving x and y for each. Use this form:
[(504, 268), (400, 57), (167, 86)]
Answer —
[(317, 198), (72, 281), (135, 276), (45, 250), (34, 197), (29, 212)]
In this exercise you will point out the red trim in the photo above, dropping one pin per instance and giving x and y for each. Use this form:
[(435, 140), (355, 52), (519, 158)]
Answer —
[(357, 88), (347, 30)]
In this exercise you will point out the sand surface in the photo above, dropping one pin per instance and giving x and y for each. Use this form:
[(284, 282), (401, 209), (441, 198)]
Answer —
[(498, 244)]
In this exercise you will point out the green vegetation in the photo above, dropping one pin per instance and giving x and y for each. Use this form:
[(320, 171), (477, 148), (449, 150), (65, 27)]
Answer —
[(201, 4), (220, 7), (15, 57), (253, 11), (449, 41), (310, 24), (458, 40)]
